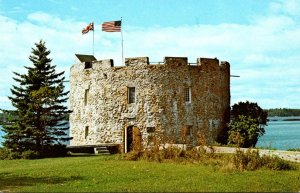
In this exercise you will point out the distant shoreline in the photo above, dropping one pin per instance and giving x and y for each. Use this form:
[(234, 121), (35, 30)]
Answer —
[(295, 119), (284, 118), (279, 112)]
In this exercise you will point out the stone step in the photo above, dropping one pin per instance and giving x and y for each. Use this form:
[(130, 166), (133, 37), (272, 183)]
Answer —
[(102, 150)]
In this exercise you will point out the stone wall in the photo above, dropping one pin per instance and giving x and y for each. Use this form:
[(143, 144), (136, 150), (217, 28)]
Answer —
[(101, 112)]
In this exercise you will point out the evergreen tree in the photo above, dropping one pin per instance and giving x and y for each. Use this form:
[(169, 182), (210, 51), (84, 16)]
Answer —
[(39, 118)]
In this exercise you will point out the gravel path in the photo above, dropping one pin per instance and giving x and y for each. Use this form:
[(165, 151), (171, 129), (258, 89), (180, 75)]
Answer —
[(293, 156)]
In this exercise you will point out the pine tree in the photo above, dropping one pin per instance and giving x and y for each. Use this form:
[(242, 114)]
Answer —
[(39, 118)]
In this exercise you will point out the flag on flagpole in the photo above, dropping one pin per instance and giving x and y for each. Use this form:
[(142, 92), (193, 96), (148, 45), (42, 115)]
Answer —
[(88, 28), (112, 26)]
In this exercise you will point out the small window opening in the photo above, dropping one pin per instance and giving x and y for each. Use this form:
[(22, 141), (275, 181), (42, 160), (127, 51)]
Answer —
[(105, 75), (187, 95), (186, 131), (131, 95), (86, 93), (150, 129), (87, 65), (86, 132)]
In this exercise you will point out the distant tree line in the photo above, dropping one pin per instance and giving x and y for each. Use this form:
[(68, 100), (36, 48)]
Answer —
[(283, 112), (6, 118)]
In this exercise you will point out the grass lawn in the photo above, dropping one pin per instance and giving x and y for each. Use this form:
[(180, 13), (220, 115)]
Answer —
[(107, 173)]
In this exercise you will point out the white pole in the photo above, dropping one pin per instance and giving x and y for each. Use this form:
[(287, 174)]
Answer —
[(93, 38), (125, 140), (122, 42)]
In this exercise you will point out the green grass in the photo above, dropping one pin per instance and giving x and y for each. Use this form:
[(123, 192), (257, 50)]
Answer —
[(107, 173)]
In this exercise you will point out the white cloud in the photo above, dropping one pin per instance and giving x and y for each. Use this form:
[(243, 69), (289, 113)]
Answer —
[(264, 53), (290, 7), (41, 17)]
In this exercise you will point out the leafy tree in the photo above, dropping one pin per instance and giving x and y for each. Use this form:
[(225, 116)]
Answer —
[(250, 109), (247, 124), (244, 131), (39, 118)]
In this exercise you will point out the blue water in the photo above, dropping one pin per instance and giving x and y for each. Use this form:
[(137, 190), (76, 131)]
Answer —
[(1, 134), (279, 134), (2, 140)]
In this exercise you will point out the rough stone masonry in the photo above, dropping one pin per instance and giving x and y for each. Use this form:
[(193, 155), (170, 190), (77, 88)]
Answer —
[(128, 105)]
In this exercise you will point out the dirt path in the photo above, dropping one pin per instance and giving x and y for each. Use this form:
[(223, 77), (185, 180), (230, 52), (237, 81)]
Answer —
[(286, 155)]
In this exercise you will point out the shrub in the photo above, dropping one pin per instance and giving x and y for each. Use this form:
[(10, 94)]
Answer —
[(251, 160), (170, 154), (247, 124), (246, 161), (132, 156), (244, 131), (152, 154), (4, 154), (29, 154), (276, 163)]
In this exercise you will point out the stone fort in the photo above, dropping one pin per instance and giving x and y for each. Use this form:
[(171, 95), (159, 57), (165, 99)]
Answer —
[(128, 105)]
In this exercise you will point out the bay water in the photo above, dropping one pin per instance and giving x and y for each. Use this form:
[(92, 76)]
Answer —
[(2, 140), (1, 134), (282, 133)]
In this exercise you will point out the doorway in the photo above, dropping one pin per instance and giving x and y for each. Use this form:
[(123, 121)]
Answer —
[(132, 139)]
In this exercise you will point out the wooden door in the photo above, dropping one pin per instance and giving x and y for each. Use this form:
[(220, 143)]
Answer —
[(137, 139)]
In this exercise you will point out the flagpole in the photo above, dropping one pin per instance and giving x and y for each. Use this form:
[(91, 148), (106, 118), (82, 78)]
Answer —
[(122, 42), (93, 38)]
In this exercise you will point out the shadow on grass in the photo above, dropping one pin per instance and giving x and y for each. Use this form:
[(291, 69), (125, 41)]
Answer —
[(81, 155), (9, 181)]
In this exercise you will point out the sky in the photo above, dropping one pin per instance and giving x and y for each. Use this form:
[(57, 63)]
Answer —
[(260, 39)]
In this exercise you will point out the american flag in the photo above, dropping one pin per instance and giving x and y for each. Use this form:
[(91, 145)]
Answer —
[(111, 26), (88, 28)]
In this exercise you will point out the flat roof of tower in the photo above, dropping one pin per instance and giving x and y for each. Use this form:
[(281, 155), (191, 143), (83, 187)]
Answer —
[(85, 58)]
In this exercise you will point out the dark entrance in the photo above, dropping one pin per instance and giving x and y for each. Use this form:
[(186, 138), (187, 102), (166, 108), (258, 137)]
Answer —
[(133, 139), (129, 141)]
